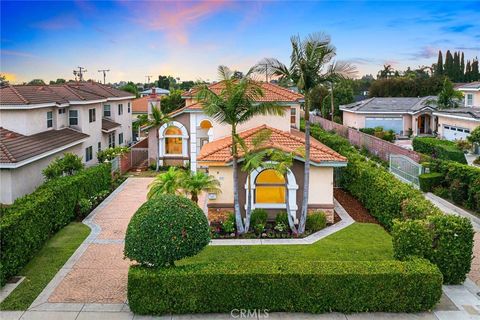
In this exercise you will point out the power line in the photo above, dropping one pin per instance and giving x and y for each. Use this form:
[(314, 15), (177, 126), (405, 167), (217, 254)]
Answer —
[(79, 73), (104, 71)]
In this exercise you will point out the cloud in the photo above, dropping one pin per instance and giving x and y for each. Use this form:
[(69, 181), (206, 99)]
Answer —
[(424, 53), (16, 53), (468, 48), (459, 28), (58, 23)]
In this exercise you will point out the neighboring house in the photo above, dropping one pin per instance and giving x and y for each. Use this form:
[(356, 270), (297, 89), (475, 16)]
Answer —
[(455, 124), (39, 123), (398, 114), (192, 138), (143, 105), (158, 91)]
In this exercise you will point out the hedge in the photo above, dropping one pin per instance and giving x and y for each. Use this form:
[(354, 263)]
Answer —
[(440, 149), (34, 218), (281, 286), (446, 241), (428, 181)]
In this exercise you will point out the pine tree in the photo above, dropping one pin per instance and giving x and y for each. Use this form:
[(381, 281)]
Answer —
[(462, 68), (439, 66)]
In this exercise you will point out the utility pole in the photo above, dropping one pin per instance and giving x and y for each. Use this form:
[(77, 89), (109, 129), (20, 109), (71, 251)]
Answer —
[(148, 79), (331, 99), (104, 71), (79, 73)]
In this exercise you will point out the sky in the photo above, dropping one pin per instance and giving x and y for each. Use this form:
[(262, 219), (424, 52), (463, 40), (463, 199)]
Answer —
[(190, 39)]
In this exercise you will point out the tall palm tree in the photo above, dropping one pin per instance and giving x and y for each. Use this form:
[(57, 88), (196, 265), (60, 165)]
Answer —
[(157, 118), (165, 183), (196, 182), (311, 65), (236, 103)]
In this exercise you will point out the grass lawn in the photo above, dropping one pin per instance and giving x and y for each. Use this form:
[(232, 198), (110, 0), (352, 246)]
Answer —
[(359, 241), (43, 267)]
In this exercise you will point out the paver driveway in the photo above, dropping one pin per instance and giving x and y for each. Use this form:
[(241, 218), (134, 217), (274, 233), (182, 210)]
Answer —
[(99, 273)]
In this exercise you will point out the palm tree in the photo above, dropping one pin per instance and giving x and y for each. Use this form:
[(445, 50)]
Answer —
[(196, 182), (310, 66), (235, 104), (140, 122), (253, 159), (157, 119), (165, 183), (386, 72)]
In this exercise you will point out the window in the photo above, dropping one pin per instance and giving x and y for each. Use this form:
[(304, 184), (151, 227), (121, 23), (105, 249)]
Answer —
[(49, 119), (469, 99), (99, 146), (205, 124), (106, 111), (120, 109), (293, 116), (270, 187), (88, 154), (61, 111), (120, 138), (128, 107), (111, 140), (73, 117), (91, 115), (173, 140)]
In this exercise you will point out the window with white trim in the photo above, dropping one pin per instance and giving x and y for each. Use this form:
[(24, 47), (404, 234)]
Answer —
[(88, 154), (61, 111), (173, 141), (107, 112), (293, 116), (270, 187), (73, 117), (49, 119), (120, 109), (91, 115), (111, 140), (120, 138), (99, 146), (128, 107), (469, 98)]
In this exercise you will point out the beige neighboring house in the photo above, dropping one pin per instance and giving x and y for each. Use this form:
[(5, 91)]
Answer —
[(193, 138), (41, 122)]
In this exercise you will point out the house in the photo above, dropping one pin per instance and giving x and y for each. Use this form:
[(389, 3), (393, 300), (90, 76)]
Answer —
[(402, 115), (41, 122), (143, 105), (158, 91), (456, 124), (192, 138)]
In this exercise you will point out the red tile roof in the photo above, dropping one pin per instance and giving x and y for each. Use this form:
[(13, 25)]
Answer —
[(15, 147), (59, 94), (194, 106), (219, 150), (140, 105), (271, 92)]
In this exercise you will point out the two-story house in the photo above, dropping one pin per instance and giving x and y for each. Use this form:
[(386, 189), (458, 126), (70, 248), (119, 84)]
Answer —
[(39, 123), (195, 139)]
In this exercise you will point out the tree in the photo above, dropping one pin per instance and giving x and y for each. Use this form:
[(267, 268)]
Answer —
[(310, 66), (165, 183), (448, 67), (67, 165), (462, 68), (172, 102), (163, 82), (474, 136), (448, 97), (157, 118), (36, 82), (439, 65), (238, 74), (3, 81), (386, 72), (130, 87), (186, 85), (197, 182), (58, 81), (342, 94), (138, 123), (235, 104)]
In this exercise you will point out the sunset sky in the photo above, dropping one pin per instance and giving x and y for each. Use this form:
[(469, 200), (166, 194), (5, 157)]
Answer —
[(189, 40)]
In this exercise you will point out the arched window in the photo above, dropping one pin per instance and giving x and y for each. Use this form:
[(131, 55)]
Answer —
[(173, 140), (205, 124), (270, 187)]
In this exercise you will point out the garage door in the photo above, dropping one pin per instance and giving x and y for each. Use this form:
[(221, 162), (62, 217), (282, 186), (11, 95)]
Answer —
[(394, 123), (455, 133)]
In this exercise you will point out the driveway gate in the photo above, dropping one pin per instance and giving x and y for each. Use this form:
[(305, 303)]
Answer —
[(405, 169)]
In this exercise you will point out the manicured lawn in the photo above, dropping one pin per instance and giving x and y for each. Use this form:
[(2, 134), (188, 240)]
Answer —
[(43, 267), (360, 241)]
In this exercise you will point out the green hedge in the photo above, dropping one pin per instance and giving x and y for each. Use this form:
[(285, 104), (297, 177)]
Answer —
[(447, 241), (428, 181), (309, 286), (440, 149), (34, 218)]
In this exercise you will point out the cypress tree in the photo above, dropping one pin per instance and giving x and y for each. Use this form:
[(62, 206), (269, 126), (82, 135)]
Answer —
[(468, 72), (439, 67), (475, 72), (456, 67), (462, 67), (448, 64)]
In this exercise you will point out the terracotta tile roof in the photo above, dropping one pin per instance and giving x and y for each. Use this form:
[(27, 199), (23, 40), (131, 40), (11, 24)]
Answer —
[(219, 150), (15, 147), (140, 105), (271, 92), (59, 94), (194, 106), (108, 125)]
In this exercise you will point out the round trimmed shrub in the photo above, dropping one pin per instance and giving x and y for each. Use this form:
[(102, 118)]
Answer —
[(164, 229)]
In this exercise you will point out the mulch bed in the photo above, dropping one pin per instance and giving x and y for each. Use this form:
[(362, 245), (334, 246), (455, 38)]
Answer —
[(354, 207)]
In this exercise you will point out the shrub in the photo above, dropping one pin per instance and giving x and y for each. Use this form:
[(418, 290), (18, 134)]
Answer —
[(258, 216), (441, 192), (411, 238), (301, 286), (164, 229), (32, 219), (476, 161), (440, 149), (84, 207), (428, 181), (282, 218), (463, 145), (228, 226), (370, 131), (67, 165), (111, 153), (316, 221)]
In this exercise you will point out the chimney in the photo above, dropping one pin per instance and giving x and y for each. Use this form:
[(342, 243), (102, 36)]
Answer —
[(154, 93)]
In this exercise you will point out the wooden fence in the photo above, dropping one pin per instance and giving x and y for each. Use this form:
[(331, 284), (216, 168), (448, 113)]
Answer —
[(381, 148)]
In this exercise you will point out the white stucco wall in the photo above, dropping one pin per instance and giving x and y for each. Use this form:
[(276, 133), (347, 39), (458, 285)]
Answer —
[(321, 185), (26, 122)]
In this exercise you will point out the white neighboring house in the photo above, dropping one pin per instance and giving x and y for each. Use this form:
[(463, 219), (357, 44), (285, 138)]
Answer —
[(39, 123), (157, 91)]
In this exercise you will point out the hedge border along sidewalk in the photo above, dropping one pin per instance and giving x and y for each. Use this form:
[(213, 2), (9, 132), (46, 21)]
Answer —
[(440, 149), (309, 286), (34, 218), (389, 199)]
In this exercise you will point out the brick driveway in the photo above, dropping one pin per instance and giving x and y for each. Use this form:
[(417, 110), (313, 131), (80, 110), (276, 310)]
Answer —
[(99, 275)]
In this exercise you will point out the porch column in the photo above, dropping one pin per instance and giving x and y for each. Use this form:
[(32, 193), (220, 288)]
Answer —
[(193, 142)]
